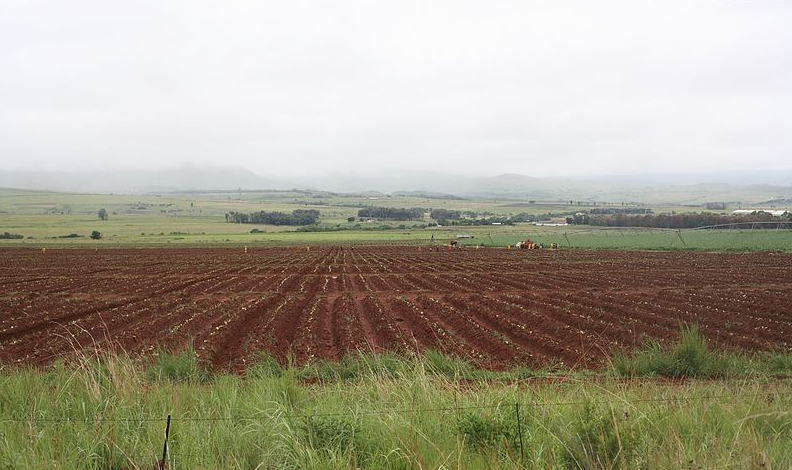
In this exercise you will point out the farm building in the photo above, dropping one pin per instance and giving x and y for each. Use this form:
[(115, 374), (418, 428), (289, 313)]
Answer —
[(776, 213)]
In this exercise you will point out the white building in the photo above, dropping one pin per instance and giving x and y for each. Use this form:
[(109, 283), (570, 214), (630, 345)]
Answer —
[(751, 211)]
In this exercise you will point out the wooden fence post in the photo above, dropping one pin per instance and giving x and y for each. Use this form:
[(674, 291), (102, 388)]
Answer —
[(165, 445), (519, 430)]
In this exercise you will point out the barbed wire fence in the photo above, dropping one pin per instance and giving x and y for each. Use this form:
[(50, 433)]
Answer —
[(171, 423)]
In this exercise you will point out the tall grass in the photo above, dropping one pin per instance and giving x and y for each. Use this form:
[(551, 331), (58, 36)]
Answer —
[(691, 356), (381, 412)]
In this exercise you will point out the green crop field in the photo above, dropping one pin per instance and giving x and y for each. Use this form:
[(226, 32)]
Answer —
[(43, 218)]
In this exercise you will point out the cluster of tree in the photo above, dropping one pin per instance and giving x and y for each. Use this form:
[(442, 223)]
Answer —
[(478, 221), (340, 228), (445, 214), (10, 236), (621, 210), (391, 213), (685, 220), (297, 217), (489, 218), (526, 217)]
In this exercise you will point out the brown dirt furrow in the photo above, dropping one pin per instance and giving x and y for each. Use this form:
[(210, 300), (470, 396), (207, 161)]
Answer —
[(499, 307)]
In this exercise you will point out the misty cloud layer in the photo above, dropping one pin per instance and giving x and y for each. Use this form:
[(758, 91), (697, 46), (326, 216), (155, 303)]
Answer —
[(539, 88)]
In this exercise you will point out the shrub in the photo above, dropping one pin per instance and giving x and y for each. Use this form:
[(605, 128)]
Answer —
[(354, 367), (449, 366), (479, 432), (177, 367), (597, 440), (96, 235), (690, 356), (10, 236), (330, 432), (265, 366), (487, 431), (779, 362)]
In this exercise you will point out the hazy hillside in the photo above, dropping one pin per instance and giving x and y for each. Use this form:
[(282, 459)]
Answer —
[(657, 189), (139, 181)]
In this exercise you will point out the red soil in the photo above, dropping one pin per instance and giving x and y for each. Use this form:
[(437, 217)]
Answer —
[(496, 307)]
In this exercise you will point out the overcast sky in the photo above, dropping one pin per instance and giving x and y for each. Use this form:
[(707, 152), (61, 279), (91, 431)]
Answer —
[(540, 88)]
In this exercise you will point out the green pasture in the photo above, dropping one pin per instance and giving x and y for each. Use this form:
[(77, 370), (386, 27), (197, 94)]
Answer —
[(145, 231), (144, 220)]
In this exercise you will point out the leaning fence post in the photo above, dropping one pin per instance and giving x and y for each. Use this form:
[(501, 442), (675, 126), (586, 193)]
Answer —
[(165, 445), (519, 430)]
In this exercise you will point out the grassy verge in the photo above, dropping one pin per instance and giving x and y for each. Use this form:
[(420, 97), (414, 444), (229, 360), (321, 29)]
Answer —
[(691, 356), (387, 411)]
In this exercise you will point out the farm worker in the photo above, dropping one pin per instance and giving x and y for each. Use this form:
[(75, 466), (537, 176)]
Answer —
[(43, 251), (307, 248), (246, 249)]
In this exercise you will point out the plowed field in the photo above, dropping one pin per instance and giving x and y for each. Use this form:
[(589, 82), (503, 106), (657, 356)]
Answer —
[(497, 307)]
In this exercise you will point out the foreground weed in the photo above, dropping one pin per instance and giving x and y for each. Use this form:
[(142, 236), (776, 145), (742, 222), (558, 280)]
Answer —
[(598, 439), (177, 367), (691, 357)]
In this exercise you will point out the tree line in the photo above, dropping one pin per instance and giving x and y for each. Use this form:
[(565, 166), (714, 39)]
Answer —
[(297, 217), (391, 213), (445, 214), (620, 210), (684, 220)]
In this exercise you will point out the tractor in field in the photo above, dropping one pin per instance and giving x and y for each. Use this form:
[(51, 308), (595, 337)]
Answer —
[(527, 244)]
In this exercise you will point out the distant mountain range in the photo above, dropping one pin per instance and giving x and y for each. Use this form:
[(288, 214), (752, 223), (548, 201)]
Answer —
[(672, 189), (187, 178)]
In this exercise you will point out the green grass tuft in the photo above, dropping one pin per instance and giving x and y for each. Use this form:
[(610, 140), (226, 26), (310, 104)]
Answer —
[(177, 367), (691, 357)]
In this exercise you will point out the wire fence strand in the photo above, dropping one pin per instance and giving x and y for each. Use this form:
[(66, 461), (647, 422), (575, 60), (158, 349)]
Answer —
[(352, 411)]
